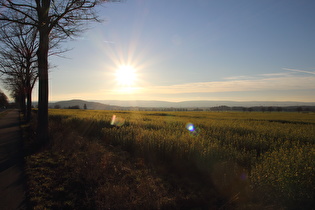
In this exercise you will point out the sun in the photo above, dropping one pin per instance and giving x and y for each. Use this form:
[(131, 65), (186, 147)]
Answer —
[(126, 76)]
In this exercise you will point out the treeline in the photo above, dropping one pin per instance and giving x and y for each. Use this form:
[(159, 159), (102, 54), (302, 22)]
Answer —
[(217, 108), (265, 109), (228, 108), (70, 107)]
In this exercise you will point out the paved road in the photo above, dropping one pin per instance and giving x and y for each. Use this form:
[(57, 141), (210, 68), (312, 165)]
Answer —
[(12, 183)]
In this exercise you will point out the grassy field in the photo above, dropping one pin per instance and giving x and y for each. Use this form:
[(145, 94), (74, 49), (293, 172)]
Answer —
[(177, 160)]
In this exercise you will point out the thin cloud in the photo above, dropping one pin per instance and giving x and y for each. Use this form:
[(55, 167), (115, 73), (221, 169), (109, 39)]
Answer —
[(239, 77), (298, 70), (269, 75), (80, 38), (276, 74), (108, 42), (263, 84)]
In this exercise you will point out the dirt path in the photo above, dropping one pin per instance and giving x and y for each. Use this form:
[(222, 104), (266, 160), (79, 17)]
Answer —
[(12, 187)]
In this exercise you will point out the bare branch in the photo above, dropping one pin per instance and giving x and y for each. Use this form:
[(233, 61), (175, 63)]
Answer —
[(18, 13)]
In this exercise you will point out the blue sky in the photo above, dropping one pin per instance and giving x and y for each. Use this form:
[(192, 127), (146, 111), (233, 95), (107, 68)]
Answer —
[(244, 50)]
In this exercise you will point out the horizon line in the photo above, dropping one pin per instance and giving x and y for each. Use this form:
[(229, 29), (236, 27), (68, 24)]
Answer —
[(239, 101)]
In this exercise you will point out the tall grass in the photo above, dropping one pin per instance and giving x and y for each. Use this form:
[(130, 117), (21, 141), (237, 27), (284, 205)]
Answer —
[(247, 157)]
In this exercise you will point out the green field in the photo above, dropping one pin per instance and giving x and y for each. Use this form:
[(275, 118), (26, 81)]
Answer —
[(249, 159)]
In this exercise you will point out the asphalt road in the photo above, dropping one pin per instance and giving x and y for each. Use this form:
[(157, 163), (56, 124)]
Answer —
[(12, 180)]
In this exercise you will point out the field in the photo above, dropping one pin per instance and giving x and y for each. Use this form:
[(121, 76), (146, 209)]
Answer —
[(179, 160)]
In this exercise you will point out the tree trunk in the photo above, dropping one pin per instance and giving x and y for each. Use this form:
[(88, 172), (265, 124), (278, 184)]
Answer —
[(22, 102), (28, 91), (42, 55), (29, 103)]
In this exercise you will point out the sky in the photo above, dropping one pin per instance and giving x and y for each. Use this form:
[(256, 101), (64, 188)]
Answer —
[(180, 50)]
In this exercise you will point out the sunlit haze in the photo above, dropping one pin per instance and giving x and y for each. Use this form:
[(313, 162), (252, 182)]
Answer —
[(192, 50)]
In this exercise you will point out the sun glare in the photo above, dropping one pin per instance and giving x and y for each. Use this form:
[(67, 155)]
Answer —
[(126, 76)]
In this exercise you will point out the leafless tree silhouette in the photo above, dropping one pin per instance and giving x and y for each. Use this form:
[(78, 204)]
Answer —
[(18, 63), (53, 19)]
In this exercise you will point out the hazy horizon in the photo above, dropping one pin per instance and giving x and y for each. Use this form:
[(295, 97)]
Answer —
[(98, 100), (179, 104)]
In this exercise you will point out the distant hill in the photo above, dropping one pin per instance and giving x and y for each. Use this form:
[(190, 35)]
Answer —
[(129, 105), (81, 103), (192, 104)]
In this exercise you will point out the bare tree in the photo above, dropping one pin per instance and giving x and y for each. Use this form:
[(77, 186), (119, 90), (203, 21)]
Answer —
[(58, 18), (19, 62), (15, 84), (3, 100)]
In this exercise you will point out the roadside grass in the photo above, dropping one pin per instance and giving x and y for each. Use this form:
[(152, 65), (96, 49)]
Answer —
[(151, 160)]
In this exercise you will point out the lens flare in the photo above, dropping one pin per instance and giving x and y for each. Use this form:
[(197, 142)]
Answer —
[(193, 130), (190, 127), (117, 121)]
